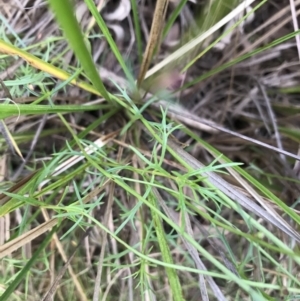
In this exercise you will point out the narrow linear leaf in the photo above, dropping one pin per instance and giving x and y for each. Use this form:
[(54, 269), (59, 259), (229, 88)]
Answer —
[(137, 29), (93, 9), (192, 61), (173, 17), (8, 110), (166, 254), (198, 40), (63, 11), (4, 198)]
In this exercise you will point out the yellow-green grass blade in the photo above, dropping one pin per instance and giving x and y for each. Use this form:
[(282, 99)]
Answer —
[(44, 66)]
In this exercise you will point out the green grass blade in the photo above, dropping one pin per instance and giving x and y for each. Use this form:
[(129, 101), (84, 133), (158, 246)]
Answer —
[(93, 9), (65, 16), (6, 295), (137, 29), (8, 110), (173, 17), (286, 209), (192, 62), (166, 254)]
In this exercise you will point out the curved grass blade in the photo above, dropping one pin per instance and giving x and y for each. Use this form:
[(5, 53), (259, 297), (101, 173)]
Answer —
[(13, 146)]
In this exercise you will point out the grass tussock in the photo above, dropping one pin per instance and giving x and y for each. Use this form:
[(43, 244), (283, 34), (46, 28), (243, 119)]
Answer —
[(149, 150)]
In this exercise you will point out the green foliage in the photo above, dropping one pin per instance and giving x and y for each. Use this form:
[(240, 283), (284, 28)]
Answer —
[(157, 190)]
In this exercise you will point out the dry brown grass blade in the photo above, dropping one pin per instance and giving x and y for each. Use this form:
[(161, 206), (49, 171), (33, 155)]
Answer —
[(60, 248), (235, 195), (195, 42), (179, 113), (5, 220), (25, 238), (154, 38), (264, 203), (104, 234), (218, 246), (272, 117), (49, 295), (188, 118), (263, 27)]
